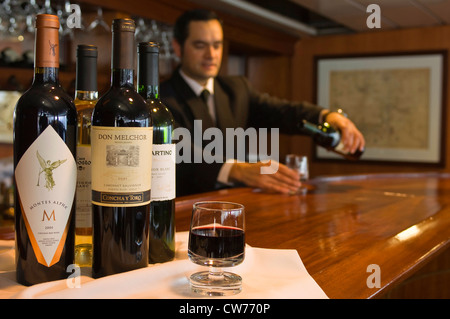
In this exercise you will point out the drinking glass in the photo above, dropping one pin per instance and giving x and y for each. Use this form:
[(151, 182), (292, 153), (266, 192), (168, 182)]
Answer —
[(300, 164), (216, 240), (99, 21)]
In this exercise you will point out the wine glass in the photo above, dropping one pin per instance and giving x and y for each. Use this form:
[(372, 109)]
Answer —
[(99, 21), (300, 164), (216, 240), (141, 34)]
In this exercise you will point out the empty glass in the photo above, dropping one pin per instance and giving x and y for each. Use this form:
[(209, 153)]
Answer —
[(99, 22), (300, 164)]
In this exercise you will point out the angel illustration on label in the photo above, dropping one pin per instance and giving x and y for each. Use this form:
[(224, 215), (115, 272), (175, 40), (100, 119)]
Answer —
[(47, 168), (52, 48)]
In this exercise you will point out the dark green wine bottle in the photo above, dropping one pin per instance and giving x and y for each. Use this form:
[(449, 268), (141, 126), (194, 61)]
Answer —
[(328, 137), (162, 207)]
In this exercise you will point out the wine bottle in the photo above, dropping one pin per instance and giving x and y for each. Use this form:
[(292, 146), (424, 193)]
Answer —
[(45, 129), (121, 139), (86, 96), (162, 208), (328, 137)]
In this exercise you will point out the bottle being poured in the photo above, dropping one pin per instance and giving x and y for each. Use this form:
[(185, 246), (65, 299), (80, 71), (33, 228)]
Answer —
[(328, 137)]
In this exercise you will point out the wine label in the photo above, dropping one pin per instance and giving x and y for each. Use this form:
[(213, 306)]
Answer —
[(84, 190), (121, 165), (163, 172), (340, 148), (46, 183)]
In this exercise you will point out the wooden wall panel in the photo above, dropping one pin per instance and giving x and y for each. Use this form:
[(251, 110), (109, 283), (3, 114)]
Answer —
[(430, 282), (272, 74), (397, 41)]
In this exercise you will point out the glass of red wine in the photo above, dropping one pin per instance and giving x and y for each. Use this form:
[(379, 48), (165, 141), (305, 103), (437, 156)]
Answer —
[(216, 240)]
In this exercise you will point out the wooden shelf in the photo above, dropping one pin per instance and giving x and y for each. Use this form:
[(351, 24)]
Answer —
[(242, 35)]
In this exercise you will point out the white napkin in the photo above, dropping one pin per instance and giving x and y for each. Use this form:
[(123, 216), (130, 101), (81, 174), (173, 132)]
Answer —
[(266, 273)]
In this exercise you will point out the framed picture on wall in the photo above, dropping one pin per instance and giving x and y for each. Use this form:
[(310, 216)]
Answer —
[(395, 100)]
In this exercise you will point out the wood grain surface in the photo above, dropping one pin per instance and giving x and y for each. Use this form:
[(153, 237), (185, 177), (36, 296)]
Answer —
[(398, 222), (342, 225)]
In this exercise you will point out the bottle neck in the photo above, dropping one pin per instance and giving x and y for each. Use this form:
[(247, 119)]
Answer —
[(149, 92), (122, 78), (46, 55), (86, 71), (148, 73), (310, 128), (46, 49), (324, 134), (46, 75), (122, 56)]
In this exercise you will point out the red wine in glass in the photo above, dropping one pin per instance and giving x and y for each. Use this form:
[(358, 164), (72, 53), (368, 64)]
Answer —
[(221, 246)]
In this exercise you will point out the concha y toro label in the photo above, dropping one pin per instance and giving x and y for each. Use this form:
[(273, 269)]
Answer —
[(121, 165)]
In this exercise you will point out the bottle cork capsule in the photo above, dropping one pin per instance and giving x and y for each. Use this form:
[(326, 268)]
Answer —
[(47, 41)]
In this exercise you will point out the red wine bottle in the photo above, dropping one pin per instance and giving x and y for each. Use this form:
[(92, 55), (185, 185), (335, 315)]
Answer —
[(162, 208), (328, 137), (121, 141), (45, 132)]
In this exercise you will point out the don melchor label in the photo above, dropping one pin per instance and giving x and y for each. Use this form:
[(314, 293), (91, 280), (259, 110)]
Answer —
[(121, 165), (46, 183)]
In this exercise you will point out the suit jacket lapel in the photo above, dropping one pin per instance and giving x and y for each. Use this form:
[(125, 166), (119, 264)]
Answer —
[(194, 103), (200, 111), (222, 104)]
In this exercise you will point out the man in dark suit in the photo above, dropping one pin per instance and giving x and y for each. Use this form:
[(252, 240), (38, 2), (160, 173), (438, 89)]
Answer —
[(230, 103)]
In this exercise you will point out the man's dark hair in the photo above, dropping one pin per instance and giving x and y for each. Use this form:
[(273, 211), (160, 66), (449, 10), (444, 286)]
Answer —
[(181, 28)]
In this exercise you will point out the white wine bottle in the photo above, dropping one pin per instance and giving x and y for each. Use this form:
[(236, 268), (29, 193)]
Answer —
[(86, 96), (45, 125)]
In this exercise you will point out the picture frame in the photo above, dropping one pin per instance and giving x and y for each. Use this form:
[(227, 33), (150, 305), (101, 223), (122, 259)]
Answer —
[(396, 100)]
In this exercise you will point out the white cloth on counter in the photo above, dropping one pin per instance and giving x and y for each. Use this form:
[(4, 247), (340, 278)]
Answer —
[(266, 274)]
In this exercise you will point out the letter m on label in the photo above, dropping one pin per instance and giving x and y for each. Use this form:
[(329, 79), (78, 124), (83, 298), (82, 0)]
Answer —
[(45, 215)]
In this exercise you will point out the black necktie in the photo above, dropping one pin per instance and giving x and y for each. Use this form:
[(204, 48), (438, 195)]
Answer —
[(204, 95)]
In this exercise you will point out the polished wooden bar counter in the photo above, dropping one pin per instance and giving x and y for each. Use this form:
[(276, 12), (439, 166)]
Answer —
[(345, 227), (397, 223)]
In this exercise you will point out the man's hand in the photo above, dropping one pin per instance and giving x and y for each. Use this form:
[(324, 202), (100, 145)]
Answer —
[(284, 180), (351, 137)]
